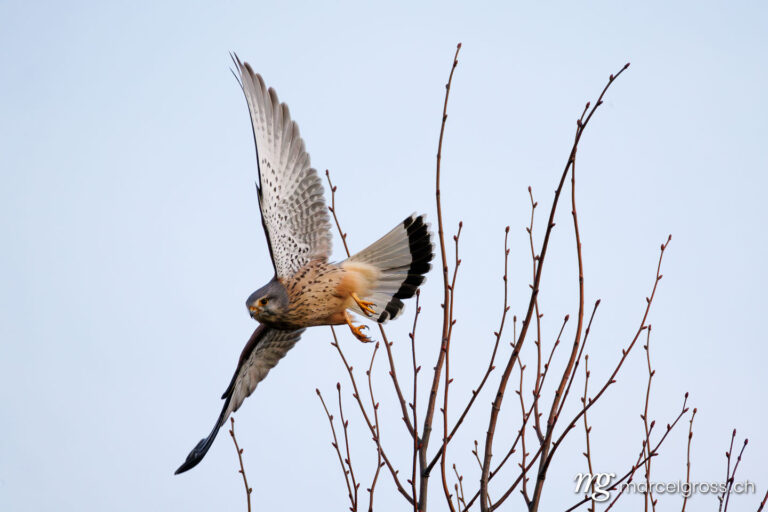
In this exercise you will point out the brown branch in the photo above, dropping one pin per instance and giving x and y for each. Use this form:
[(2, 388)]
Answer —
[(570, 370), (511, 450), (624, 352), (535, 398), (332, 209), (448, 380), (414, 408), (480, 464), (377, 439), (523, 467), (392, 372), (578, 359), (640, 460), (611, 379), (396, 382), (729, 481), (248, 490), (387, 344), (496, 407), (491, 367), (727, 470), (587, 430), (366, 417), (427, 429), (630, 474), (537, 385), (335, 445), (348, 460), (688, 460), (648, 493), (459, 488), (762, 503)]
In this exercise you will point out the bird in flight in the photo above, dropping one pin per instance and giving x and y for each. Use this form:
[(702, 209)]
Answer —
[(307, 289)]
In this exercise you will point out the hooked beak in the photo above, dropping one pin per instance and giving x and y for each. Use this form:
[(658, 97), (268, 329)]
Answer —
[(254, 310)]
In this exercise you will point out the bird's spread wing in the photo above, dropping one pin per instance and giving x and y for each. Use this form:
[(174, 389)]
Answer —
[(293, 209), (262, 352)]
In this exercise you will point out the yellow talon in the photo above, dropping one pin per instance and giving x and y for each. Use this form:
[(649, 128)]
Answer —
[(364, 305), (357, 330)]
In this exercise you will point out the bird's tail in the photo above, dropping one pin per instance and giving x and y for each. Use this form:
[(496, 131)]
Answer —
[(401, 258)]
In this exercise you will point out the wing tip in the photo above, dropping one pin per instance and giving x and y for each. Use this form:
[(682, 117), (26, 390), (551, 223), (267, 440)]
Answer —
[(195, 456)]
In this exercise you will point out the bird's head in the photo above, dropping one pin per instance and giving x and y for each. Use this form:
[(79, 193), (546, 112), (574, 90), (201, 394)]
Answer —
[(268, 302)]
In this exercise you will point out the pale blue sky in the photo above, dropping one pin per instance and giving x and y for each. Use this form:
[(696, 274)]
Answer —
[(131, 230)]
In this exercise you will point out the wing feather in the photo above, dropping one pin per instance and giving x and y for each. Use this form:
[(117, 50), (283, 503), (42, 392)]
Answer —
[(263, 351), (293, 208)]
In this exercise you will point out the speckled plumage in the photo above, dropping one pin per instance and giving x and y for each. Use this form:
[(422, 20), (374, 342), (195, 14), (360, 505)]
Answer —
[(307, 290), (315, 295), (290, 192)]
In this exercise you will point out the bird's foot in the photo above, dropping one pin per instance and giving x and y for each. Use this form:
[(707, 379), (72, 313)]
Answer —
[(357, 330), (365, 305)]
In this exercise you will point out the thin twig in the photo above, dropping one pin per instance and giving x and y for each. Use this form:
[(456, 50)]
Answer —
[(523, 454), (427, 429), (448, 379), (248, 490), (535, 398), (491, 367), (348, 460), (631, 473), (648, 495), (496, 407), (624, 352), (511, 450), (366, 417), (377, 439), (459, 487), (570, 370), (387, 344), (332, 209), (729, 482), (688, 461), (414, 405), (537, 385), (335, 445), (640, 460), (587, 430), (611, 379), (762, 503), (480, 465)]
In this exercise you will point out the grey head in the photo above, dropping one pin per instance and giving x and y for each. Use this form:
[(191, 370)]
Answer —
[(268, 303)]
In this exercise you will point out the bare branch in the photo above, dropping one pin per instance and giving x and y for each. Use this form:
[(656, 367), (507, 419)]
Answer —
[(335, 445), (496, 407), (640, 460), (248, 490), (377, 439), (427, 429), (537, 385), (366, 417), (387, 344), (762, 503), (491, 367), (448, 379), (332, 209), (587, 430), (688, 460), (726, 496), (649, 493), (414, 404), (348, 460)]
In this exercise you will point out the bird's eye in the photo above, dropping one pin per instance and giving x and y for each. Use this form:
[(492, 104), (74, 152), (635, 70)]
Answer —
[(264, 301)]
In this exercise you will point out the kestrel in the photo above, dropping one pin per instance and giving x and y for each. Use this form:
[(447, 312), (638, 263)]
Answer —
[(308, 290)]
